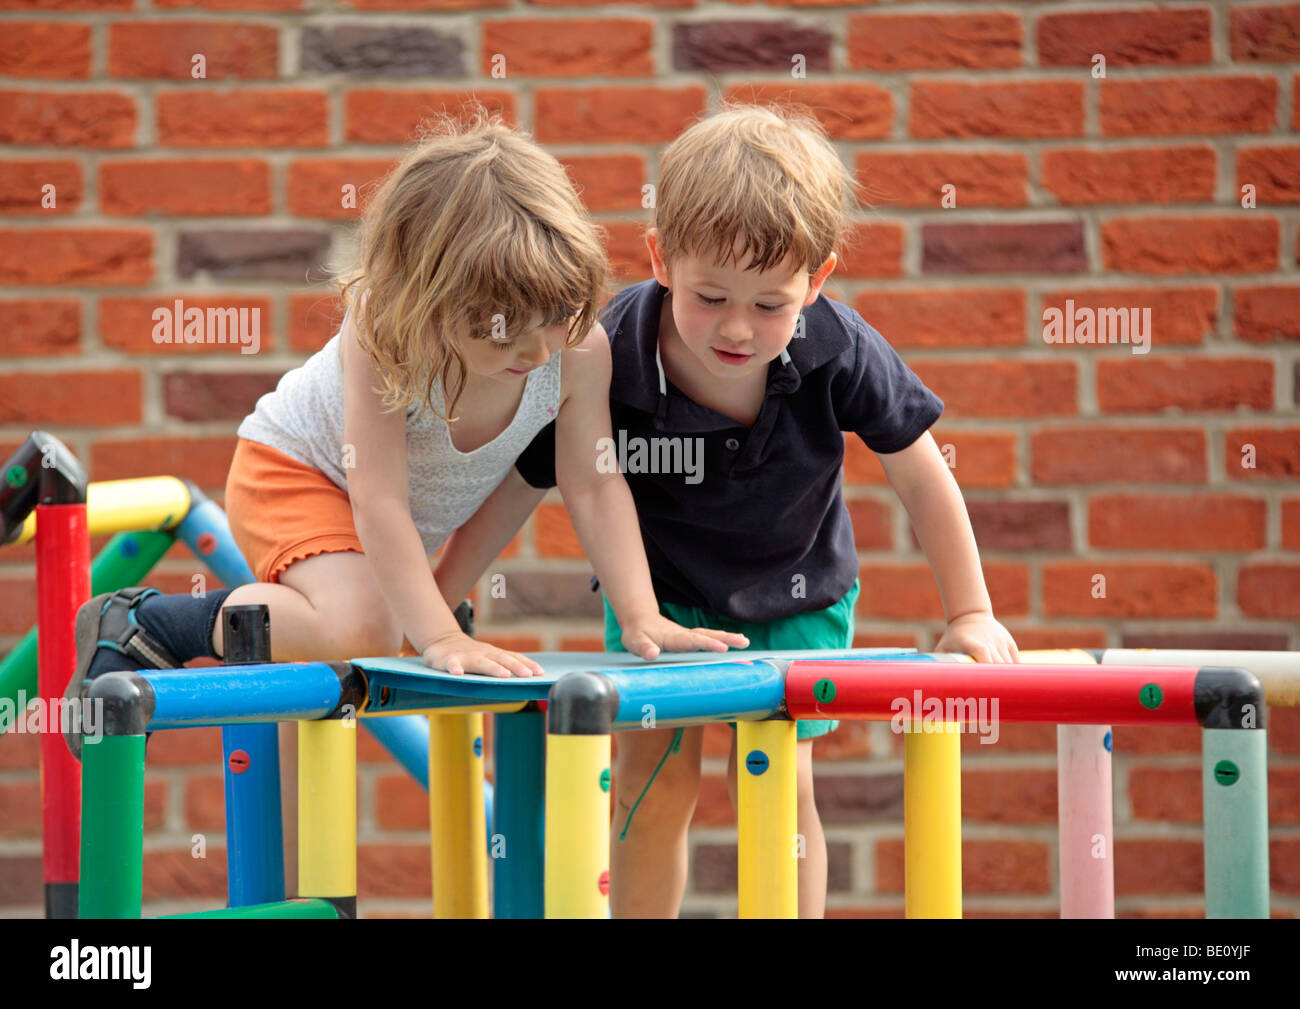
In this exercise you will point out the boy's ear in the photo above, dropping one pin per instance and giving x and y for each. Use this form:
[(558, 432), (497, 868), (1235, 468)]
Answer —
[(819, 278), (657, 256)]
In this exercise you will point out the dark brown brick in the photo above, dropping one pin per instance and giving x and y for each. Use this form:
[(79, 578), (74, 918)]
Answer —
[(1053, 247), (1021, 525), (205, 395), (714, 868), (748, 45), (294, 255), (401, 50), (1268, 641), (844, 798)]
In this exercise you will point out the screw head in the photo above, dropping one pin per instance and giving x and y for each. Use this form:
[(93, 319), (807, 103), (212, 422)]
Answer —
[(1226, 773)]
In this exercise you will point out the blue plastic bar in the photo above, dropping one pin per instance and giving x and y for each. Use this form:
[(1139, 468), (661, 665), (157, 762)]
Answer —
[(254, 830), (218, 695), (518, 856), (220, 553), (686, 695)]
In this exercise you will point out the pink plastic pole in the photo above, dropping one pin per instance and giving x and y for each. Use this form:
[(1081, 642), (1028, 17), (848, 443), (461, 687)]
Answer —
[(1083, 784)]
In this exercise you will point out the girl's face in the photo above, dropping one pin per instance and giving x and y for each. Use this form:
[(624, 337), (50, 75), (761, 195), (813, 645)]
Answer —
[(512, 360)]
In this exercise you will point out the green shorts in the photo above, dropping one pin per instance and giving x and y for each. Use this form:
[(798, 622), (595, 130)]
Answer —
[(831, 628)]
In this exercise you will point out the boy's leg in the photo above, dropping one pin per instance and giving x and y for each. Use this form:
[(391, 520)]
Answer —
[(648, 860), (812, 867)]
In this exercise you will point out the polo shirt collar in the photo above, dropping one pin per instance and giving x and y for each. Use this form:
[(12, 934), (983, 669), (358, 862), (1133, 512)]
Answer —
[(638, 374)]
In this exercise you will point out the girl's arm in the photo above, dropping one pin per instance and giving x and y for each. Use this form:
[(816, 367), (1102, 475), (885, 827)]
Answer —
[(604, 515), (480, 541), (924, 484), (379, 489)]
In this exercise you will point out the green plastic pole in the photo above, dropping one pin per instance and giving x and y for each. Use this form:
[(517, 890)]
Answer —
[(112, 827), (126, 560), (1234, 780), (306, 907)]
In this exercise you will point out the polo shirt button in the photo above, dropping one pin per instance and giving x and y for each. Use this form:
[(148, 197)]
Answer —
[(732, 444)]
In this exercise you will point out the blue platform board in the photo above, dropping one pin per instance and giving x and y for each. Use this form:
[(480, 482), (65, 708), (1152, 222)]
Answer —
[(398, 684)]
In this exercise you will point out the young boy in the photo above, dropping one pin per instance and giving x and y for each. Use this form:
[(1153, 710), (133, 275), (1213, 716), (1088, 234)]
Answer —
[(731, 354)]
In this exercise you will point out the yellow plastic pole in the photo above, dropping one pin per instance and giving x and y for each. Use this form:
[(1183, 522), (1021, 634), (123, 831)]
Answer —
[(769, 846), (456, 824), (932, 817), (932, 821), (327, 809), (576, 877), (116, 506)]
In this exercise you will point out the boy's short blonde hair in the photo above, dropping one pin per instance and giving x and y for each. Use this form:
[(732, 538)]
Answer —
[(475, 233), (765, 176)]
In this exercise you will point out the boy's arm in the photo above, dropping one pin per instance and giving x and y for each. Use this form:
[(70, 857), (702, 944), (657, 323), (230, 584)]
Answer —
[(923, 482), (480, 541), (604, 515)]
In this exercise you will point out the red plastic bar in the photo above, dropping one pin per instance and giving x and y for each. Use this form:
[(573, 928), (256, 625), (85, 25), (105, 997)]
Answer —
[(62, 585), (1078, 695)]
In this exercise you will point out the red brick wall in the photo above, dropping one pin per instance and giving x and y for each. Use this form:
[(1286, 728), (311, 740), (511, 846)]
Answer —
[(1119, 191)]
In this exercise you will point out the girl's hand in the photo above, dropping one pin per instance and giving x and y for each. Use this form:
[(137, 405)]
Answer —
[(646, 636), (458, 653), (979, 636)]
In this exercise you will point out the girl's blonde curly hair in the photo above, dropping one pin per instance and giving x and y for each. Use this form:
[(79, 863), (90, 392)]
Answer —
[(476, 234)]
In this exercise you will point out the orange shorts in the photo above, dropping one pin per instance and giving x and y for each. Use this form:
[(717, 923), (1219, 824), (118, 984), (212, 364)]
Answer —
[(282, 510)]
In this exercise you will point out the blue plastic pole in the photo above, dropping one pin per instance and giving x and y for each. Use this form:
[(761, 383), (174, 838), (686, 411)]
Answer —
[(518, 850), (657, 697), (254, 829), (251, 753), (206, 531), (218, 695)]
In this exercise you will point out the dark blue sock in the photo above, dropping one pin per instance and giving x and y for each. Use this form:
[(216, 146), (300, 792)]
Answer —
[(181, 623)]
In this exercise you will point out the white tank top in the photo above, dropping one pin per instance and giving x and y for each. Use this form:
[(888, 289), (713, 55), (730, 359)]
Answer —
[(303, 418)]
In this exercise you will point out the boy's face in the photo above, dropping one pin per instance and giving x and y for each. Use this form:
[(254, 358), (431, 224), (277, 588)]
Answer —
[(732, 320)]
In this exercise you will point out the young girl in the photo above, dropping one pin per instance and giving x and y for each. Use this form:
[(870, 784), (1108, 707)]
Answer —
[(470, 326)]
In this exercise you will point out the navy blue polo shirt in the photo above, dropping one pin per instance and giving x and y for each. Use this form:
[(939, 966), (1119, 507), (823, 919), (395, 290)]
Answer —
[(750, 523)]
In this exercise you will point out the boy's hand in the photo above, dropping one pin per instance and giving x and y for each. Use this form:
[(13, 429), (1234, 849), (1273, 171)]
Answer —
[(979, 636), (458, 653), (647, 636)]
